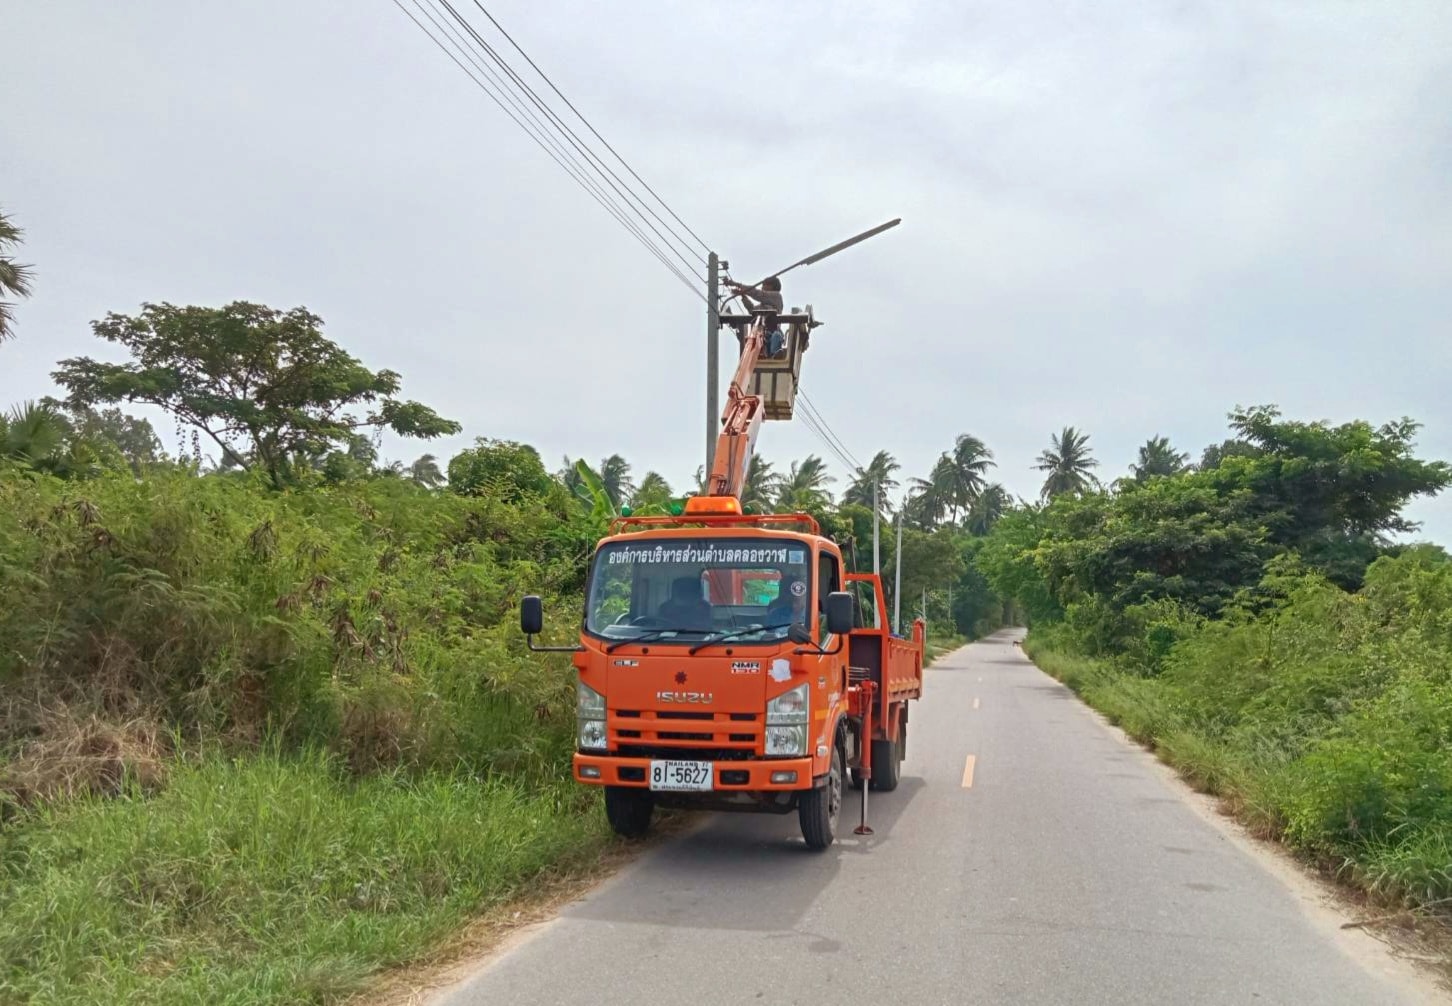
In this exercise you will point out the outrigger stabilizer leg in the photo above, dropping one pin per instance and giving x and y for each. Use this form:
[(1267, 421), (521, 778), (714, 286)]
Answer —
[(866, 769)]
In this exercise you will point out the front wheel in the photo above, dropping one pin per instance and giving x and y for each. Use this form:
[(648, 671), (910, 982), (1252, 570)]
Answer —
[(629, 810), (819, 808)]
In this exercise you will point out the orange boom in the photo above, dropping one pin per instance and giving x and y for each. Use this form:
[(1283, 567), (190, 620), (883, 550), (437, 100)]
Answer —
[(729, 661)]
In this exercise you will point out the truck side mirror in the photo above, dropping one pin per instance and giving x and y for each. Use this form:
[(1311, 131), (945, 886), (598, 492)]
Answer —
[(531, 615), (839, 613)]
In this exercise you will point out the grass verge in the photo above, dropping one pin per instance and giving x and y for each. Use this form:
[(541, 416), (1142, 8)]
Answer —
[(267, 880)]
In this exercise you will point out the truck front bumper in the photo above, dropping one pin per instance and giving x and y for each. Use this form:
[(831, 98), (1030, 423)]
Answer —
[(747, 775)]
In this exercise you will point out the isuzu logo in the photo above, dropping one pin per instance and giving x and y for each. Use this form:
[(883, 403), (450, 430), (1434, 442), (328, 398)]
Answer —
[(701, 698)]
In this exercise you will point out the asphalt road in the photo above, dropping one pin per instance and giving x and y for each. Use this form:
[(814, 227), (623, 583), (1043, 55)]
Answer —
[(1064, 866)]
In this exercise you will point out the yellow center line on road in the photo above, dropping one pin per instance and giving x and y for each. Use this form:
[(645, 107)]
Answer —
[(968, 772), (975, 703)]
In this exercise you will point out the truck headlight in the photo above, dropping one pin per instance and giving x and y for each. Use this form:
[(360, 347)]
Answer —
[(590, 713), (788, 707), (592, 735), (782, 741)]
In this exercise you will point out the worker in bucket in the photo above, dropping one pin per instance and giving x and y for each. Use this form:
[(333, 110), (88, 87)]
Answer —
[(766, 299)]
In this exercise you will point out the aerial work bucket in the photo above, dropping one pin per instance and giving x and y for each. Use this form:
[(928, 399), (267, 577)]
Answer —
[(776, 379)]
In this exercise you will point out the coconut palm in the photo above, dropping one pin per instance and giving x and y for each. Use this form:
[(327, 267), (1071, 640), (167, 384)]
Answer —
[(932, 498), (805, 486), (654, 492), (762, 485), (1157, 457), (878, 472), (425, 471), (14, 277), (1068, 463), (988, 506), (971, 461), (614, 474), (32, 434)]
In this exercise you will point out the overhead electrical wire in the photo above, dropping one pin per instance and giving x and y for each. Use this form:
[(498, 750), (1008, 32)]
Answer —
[(704, 247), (545, 138), (540, 134), (597, 164), (839, 448)]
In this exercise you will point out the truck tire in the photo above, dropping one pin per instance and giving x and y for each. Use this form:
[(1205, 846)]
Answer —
[(818, 808), (886, 764), (629, 810)]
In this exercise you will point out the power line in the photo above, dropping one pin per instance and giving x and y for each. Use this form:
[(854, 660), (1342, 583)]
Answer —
[(809, 408), (583, 182), (704, 247), (821, 434), (542, 133), (598, 165)]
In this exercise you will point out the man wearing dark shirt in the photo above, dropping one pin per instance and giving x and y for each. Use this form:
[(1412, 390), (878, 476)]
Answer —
[(766, 299)]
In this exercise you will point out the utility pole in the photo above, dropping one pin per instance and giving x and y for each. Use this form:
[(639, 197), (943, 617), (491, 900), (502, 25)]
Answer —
[(713, 358), (897, 578), (876, 511)]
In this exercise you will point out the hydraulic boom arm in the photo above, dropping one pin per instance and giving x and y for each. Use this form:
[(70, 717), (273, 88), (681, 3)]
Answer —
[(740, 421)]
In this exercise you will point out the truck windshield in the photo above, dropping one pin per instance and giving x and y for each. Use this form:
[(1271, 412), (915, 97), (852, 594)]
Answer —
[(686, 589)]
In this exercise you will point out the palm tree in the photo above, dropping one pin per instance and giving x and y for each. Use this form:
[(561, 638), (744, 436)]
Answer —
[(653, 492), (762, 485), (32, 434), (805, 486), (971, 461), (1157, 457), (425, 471), (933, 497), (988, 506), (1068, 463), (14, 277), (614, 472), (878, 472)]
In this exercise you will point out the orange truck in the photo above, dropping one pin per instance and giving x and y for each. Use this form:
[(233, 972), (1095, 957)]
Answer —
[(730, 661)]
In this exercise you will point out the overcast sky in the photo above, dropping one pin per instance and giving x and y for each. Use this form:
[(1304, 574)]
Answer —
[(1128, 217)]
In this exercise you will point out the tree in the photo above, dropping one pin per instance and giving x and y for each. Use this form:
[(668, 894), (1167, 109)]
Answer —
[(762, 485), (614, 473), (426, 472), (878, 472), (805, 487), (653, 493), (991, 504), (134, 440), (933, 497), (39, 437), (1330, 493), (1213, 455), (1069, 464), (503, 469), (14, 277), (971, 461), (1157, 457), (264, 384)]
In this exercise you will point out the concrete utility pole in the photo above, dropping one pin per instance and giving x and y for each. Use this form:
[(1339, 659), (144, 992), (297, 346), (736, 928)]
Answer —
[(713, 358), (897, 577), (876, 511)]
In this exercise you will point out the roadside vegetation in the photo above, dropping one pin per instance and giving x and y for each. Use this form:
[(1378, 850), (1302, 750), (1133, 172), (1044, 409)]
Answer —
[(1250, 618)]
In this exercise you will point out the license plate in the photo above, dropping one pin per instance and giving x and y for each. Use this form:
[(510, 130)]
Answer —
[(681, 776)]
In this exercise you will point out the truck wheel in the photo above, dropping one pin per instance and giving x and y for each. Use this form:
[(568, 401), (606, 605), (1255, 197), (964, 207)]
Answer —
[(818, 808), (886, 765), (629, 810)]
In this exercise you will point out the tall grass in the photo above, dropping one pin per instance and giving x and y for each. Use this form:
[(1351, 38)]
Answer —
[(256, 746), (267, 879)]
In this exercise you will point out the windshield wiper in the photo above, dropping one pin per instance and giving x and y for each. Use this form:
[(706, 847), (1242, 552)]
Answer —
[(646, 637), (722, 637)]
